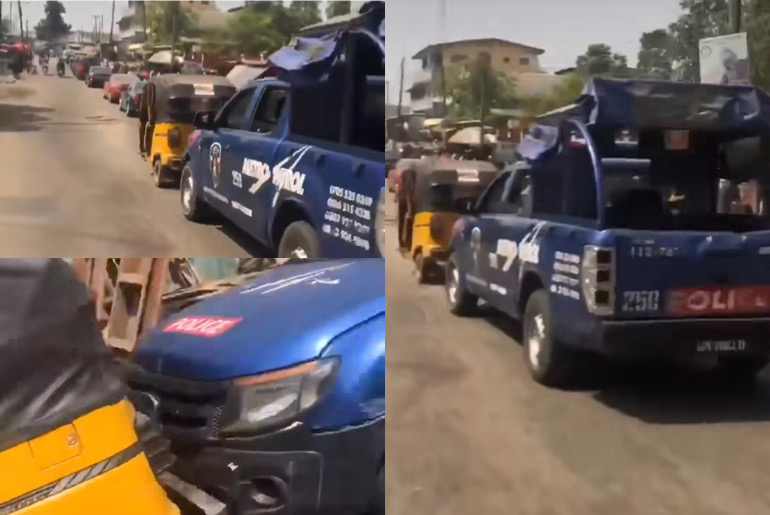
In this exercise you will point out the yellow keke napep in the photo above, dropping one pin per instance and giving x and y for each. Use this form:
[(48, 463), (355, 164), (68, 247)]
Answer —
[(68, 442), (169, 104), (433, 194)]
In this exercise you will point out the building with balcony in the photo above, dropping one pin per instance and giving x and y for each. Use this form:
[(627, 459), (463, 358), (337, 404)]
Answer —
[(519, 61)]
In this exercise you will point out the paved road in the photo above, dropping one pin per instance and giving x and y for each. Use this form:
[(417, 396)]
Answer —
[(73, 183), (469, 432)]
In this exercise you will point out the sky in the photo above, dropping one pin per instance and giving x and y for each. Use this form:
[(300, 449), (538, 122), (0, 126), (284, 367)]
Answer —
[(563, 28)]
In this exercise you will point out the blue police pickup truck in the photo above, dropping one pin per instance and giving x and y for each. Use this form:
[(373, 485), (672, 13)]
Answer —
[(610, 237), (296, 159), (273, 393)]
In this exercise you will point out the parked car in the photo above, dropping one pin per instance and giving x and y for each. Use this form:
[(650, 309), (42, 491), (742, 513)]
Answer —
[(97, 76), (273, 417), (116, 85), (81, 67), (131, 98)]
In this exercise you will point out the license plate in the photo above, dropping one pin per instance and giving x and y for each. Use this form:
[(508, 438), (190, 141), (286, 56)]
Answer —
[(718, 300), (721, 346)]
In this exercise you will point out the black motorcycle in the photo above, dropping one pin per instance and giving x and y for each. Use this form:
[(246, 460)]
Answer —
[(60, 68)]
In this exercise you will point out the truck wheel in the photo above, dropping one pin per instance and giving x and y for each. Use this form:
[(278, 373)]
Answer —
[(193, 208), (299, 240), (548, 360), (743, 366), (461, 302)]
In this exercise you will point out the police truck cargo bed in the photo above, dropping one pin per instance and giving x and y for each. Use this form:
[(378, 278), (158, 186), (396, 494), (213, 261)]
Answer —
[(619, 235)]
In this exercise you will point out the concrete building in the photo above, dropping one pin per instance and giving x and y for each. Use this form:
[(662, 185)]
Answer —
[(519, 61)]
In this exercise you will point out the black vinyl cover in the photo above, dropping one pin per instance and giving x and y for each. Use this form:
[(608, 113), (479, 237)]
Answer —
[(54, 365)]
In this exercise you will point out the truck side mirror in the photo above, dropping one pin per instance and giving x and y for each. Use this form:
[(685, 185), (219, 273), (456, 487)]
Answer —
[(204, 120)]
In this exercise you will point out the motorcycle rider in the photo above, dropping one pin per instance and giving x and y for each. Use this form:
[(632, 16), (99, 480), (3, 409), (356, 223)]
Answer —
[(60, 66)]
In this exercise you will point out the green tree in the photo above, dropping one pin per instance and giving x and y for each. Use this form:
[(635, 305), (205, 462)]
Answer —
[(756, 22), (701, 19), (600, 60), (253, 33), (305, 12), (655, 58), (337, 8), (160, 21), (476, 85), (564, 93), (52, 25)]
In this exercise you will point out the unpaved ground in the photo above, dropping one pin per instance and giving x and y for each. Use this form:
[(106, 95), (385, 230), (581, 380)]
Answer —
[(73, 183), (469, 432)]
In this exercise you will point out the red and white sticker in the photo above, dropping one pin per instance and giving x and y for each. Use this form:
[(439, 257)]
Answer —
[(202, 326), (706, 301)]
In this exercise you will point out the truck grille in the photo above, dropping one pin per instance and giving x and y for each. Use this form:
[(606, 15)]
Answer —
[(184, 409)]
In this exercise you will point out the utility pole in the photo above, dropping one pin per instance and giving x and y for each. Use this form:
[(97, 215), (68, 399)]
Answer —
[(400, 91), (21, 21), (174, 27), (735, 16), (112, 21), (101, 28), (482, 99)]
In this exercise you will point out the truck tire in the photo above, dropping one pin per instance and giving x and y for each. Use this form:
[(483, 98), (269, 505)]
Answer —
[(461, 301), (742, 367), (194, 208), (549, 361), (299, 240)]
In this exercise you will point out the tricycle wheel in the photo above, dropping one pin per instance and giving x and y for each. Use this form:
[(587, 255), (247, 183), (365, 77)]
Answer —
[(193, 208), (549, 361), (461, 302), (742, 367), (299, 240), (160, 175), (420, 264)]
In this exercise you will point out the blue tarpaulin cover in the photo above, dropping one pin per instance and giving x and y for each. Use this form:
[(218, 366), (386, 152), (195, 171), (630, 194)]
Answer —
[(732, 111), (309, 59)]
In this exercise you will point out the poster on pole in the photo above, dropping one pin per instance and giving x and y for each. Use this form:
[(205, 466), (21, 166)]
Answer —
[(725, 60)]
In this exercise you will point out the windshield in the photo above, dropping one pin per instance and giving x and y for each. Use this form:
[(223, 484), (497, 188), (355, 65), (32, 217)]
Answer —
[(680, 180)]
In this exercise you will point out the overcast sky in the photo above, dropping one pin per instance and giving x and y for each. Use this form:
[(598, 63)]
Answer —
[(563, 28)]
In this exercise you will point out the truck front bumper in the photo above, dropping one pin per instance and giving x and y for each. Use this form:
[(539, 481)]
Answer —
[(638, 338), (290, 470)]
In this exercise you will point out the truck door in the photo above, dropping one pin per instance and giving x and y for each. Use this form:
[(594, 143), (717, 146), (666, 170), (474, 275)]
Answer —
[(218, 183), (342, 178), (476, 260), (509, 241), (257, 170)]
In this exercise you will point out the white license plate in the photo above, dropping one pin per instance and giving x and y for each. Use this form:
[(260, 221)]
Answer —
[(721, 346)]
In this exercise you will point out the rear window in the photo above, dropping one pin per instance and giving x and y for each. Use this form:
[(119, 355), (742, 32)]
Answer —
[(100, 70)]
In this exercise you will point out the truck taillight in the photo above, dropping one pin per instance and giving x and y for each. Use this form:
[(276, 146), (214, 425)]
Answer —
[(597, 274)]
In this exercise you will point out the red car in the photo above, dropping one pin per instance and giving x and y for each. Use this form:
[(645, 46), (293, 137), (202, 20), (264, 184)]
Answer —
[(118, 83)]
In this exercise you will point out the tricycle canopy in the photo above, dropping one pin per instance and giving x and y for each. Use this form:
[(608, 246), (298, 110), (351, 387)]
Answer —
[(176, 97), (54, 365)]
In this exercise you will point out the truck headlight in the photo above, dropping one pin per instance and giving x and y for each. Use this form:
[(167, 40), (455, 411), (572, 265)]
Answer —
[(379, 223), (275, 398)]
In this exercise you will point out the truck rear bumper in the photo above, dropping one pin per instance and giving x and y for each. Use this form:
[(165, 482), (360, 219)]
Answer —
[(684, 336)]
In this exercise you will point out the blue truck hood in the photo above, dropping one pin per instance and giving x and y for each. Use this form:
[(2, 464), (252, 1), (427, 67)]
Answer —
[(283, 317)]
